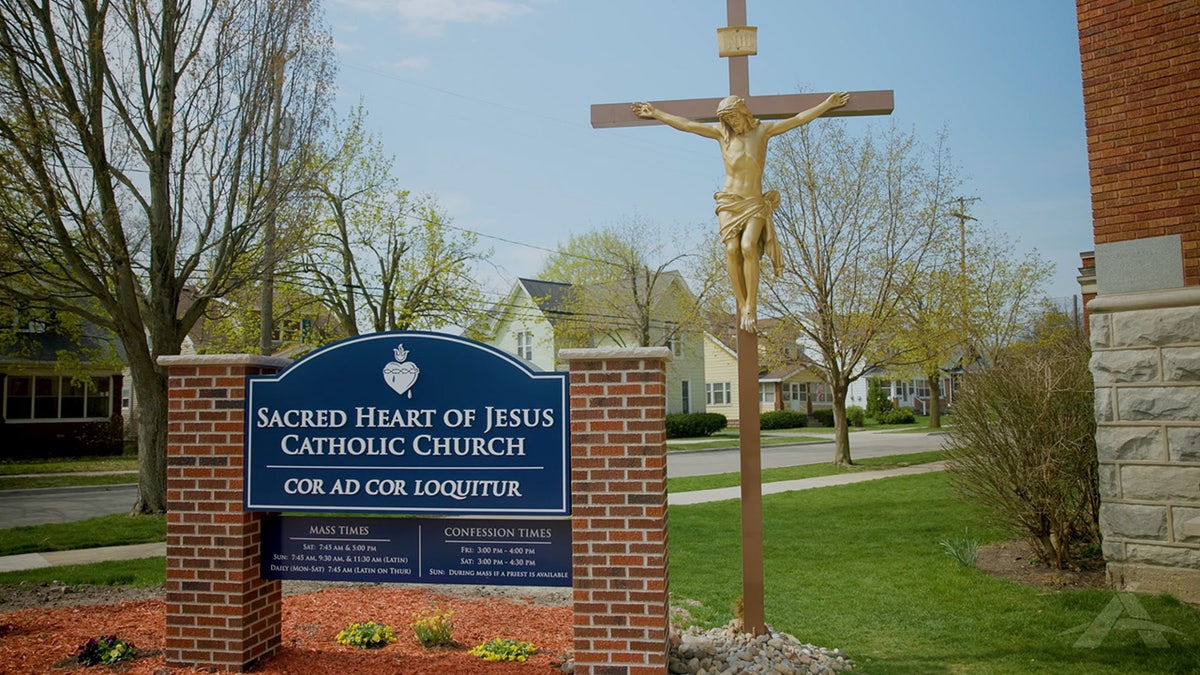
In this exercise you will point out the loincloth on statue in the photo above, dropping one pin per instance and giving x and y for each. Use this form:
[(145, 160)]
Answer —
[(736, 211)]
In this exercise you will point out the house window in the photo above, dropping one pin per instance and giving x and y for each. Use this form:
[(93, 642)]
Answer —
[(798, 391), (922, 387), (717, 393), (766, 393), (55, 397), (525, 345), (685, 396), (819, 393)]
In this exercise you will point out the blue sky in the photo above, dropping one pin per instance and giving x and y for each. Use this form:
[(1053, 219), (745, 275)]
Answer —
[(485, 104)]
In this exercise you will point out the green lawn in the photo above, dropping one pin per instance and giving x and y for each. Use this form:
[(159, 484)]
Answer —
[(860, 567), (113, 530), (141, 572), (75, 470), (114, 463)]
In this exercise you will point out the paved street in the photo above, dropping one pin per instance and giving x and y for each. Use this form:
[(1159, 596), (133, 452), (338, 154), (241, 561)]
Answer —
[(62, 505), (58, 505), (863, 444)]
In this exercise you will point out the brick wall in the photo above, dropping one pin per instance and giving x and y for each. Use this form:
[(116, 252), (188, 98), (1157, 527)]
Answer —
[(1141, 65), (220, 614), (619, 509)]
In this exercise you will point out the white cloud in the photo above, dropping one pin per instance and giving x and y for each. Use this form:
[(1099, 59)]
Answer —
[(410, 64), (429, 17)]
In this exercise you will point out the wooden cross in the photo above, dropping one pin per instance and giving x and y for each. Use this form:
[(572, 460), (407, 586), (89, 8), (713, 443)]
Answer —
[(738, 42)]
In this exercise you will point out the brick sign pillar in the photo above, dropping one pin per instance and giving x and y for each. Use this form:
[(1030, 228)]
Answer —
[(619, 509), (220, 614)]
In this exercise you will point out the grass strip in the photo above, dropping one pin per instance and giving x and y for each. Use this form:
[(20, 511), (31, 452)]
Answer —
[(30, 482), (140, 572), (113, 530), (730, 440), (115, 463), (723, 480), (860, 567)]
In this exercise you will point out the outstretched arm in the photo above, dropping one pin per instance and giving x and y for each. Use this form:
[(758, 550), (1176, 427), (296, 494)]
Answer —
[(834, 101), (681, 123)]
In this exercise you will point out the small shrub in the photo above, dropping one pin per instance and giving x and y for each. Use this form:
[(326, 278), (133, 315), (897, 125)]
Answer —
[(782, 419), (433, 628), (823, 416), (964, 550), (877, 398), (503, 649), (369, 635), (105, 650), (692, 425), (1023, 444), (856, 416), (897, 416)]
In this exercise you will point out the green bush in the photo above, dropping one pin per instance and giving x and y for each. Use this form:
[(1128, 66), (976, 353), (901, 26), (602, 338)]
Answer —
[(823, 416), (896, 416), (856, 416), (1024, 444), (691, 425), (877, 398), (783, 419)]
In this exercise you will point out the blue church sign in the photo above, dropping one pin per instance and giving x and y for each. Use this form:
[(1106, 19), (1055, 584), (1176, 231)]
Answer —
[(409, 422)]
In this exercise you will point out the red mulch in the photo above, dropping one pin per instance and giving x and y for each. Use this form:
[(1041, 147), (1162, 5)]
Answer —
[(44, 641)]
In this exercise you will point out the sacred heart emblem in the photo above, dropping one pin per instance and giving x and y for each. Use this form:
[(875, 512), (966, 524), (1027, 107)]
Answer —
[(400, 375)]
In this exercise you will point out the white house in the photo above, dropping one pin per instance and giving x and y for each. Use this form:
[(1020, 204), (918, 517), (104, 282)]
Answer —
[(538, 318)]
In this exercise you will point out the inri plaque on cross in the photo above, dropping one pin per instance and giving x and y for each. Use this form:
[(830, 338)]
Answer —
[(744, 213)]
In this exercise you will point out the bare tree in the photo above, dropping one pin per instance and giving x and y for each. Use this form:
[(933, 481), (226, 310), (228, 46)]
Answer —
[(139, 135), (858, 220)]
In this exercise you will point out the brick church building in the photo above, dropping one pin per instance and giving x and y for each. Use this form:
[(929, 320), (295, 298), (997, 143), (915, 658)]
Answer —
[(1141, 89)]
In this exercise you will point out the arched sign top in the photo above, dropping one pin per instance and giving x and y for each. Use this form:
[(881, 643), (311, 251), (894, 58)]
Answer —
[(408, 422), (358, 345)]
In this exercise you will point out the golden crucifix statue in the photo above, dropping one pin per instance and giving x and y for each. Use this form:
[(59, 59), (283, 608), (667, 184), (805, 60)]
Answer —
[(743, 209)]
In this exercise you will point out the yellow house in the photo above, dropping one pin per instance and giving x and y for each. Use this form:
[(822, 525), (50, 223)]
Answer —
[(790, 385)]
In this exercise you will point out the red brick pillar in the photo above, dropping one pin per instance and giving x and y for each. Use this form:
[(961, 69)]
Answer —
[(220, 614), (619, 509)]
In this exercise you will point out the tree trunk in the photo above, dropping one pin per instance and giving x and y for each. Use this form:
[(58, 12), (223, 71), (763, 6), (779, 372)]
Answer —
[(935, 400), (150, 388), (841, 430)]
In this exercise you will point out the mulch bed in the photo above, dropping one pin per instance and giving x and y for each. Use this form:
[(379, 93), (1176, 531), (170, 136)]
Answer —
[(45, 640)]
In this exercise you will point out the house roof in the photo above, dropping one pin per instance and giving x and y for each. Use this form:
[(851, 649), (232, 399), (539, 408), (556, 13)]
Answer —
[(93, 346), (551, 296)]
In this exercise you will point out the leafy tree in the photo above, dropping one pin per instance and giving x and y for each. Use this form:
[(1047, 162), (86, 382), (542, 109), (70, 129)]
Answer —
[(858, 222), (380, 258), (139, 136), (621, 277), (978, 295)]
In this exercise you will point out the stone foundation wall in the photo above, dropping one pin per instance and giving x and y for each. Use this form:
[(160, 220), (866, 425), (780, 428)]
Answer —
[(1146, 365)]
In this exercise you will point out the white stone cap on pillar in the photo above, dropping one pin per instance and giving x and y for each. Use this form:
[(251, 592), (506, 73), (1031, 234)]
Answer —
[(252, 360), (1187, 296), (601, 353)]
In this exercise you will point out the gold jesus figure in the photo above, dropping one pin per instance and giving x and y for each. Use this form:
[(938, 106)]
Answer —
[(743, 210)]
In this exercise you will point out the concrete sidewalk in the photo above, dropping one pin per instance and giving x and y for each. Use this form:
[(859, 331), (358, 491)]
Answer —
[(28, 561)]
